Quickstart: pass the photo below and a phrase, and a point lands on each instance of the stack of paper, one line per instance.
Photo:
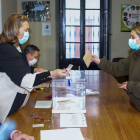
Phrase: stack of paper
(43, 104)
(62, 134)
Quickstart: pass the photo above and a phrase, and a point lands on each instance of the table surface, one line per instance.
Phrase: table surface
(109, 114)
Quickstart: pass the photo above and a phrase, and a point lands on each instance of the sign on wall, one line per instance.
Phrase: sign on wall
(130, 16)
(46, 28)
(36, 10)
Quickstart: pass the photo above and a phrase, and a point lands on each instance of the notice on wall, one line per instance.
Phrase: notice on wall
(46, 28)
(130, 16)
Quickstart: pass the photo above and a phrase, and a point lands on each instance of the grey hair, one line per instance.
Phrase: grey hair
(31, 49)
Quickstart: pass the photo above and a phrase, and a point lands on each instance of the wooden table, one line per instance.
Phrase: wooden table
(110, 116)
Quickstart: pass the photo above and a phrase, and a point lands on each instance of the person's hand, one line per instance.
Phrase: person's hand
(59, 73)
(33, 90)
(95, 59)
(123, 85)
(39, 70)
(20, 136)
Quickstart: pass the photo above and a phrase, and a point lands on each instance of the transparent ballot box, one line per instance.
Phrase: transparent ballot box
(68, 94)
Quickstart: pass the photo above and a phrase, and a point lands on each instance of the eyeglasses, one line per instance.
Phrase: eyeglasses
(38, 120)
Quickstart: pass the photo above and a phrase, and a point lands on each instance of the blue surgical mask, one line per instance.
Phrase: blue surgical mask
(25, 38)
(133, 45)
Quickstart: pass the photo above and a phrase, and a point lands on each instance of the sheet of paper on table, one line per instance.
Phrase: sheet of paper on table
(73, 120)
(87, 58)
(62, 134)
(91, 92)
(43, 104)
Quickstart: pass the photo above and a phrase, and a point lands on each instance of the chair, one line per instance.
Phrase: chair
(78, 64)
(120, 79)
(93, 66)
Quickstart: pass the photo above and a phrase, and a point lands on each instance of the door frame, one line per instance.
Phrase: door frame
(0, 17)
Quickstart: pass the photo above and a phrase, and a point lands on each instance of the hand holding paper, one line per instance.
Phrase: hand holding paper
(69, 67)
(95, 59)
(62, 134)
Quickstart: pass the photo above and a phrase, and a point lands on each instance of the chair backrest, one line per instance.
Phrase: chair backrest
(93, 66)
(78, 64)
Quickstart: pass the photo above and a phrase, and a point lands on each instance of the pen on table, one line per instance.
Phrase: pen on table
(36, 113)
(31, 115)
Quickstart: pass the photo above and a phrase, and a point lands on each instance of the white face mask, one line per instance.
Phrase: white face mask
(32, 62)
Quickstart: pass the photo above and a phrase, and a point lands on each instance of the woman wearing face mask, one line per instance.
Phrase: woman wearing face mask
(16, 79)
(129, 66)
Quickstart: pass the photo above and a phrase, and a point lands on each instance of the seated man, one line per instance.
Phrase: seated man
(32, 53)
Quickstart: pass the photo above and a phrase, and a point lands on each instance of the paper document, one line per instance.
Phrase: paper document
(73, 120)
(87, 58)
(43, 104)
(62, 134)
(91, 92)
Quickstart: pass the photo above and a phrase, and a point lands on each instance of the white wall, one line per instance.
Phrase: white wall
(8, 7)
(119, 40)
(46, 44)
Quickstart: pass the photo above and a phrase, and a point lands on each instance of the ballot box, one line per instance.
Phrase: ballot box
(68, 94)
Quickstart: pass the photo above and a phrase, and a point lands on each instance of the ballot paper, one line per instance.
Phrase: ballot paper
(73, 120)
(69, 67)
(87, 58)
(91, 92)
(43, 104)
(62, 134)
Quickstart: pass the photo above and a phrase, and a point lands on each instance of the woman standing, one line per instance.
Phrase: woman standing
(129, 66)
(16, 79)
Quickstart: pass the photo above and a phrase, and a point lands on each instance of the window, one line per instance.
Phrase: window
(84, 25)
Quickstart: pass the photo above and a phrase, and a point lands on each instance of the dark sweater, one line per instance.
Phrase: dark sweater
(16, 80)
(129, 66)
